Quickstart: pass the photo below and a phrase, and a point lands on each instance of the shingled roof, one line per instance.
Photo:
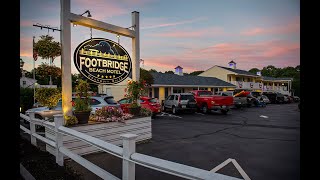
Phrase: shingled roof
(239, 71)
(188, 80)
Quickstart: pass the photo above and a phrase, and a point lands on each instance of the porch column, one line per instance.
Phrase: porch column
(161, 93)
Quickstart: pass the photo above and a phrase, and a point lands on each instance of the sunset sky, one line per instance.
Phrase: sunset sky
(193, 34)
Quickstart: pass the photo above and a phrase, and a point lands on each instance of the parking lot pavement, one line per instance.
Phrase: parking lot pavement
(265, 141)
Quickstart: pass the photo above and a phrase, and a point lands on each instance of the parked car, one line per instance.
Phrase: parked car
(274, 97)
(288, 99)
(206, 101)
(96, 102)
(179, 102)
(145, 102)
(264, 98)
(239, 99)
(296, 99)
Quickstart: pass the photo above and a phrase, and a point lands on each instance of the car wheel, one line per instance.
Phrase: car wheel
(204, 109)
(164, 109)
(224, 111)
(174, 110)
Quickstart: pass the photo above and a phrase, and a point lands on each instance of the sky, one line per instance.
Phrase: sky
(195, 35)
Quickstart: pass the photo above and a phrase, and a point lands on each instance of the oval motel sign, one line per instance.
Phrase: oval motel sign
(102, 61)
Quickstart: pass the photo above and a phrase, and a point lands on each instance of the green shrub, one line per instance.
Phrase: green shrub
(145, 112)
(26, 99)
(70, 120)
(48, 96)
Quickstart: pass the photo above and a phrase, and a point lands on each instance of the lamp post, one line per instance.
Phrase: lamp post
(21, 63)
(21, 67)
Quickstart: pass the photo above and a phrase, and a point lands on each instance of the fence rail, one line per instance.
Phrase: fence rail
(126, 153)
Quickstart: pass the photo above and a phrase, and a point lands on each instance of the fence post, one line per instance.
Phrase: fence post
(58, 121)
(32, 129)
(129, 147)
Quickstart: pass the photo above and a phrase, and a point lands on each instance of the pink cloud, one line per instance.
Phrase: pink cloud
(196, 33)
(163, 24)
(247, 55)
(291, 27)
(25, 23)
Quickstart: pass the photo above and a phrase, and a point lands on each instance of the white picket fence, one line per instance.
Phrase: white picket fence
(127, 153)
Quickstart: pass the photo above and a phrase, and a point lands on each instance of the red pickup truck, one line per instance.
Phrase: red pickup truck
(206, 101)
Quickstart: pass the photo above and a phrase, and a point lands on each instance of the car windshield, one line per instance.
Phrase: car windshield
(153, 100)
(187, 97)
(110, 100)
(205, 93)
(226, 93)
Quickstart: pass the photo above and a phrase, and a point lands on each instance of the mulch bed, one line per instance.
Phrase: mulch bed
(41, 164)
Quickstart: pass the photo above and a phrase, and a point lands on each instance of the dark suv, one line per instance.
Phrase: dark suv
(180, 102)
(274, 97)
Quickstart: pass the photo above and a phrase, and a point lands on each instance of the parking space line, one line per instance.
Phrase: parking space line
(262, 116)
(199, 113)
(236, 165)
(167, 114)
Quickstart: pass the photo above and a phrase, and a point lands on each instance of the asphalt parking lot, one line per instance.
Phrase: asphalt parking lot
(265, 141)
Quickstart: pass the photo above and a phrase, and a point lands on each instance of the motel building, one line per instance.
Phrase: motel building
(246, 80)
(215, 79)
(166, 84)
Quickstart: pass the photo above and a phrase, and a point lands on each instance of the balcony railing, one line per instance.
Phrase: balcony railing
(255, 85)
(247, 85)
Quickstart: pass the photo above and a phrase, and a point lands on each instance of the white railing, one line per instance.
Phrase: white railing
(127, 153)
(247, 85)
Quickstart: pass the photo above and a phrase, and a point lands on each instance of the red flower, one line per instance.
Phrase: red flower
(73, 103)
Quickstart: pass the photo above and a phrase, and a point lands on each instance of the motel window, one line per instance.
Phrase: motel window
(156, 92)
(238, 79)
(178, 90)
(24, 82)
(203, 88)
(150, 92)
(229, 78)
(166, 92)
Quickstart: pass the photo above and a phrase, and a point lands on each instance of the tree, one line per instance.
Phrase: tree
(43, 72)
(254, 70)
(153, 70)
(146, 75)
(169, 72)
(196, 73)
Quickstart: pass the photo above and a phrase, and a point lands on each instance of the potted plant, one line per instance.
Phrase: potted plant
(134, 90)
(82, 108)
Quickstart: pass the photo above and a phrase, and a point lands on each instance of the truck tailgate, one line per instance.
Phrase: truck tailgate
(223, 100)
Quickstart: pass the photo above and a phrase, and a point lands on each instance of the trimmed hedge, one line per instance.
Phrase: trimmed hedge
(26, 98)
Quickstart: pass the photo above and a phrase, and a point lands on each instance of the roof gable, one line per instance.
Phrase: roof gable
(173, 79)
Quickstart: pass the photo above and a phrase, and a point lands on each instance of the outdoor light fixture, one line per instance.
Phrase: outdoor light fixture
(21, 63)
(88, 12)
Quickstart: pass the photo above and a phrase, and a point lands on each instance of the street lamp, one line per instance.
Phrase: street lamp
(21, 63)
